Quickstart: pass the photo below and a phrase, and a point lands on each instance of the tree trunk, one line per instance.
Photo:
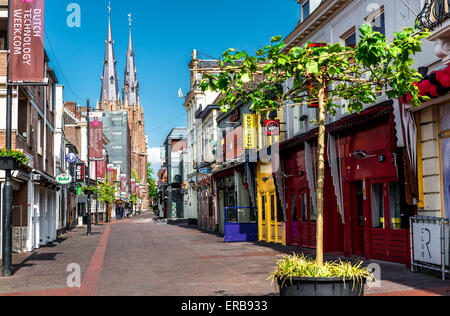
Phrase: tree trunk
(321, 173)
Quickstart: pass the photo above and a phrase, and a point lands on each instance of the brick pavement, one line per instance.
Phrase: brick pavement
(141, 256)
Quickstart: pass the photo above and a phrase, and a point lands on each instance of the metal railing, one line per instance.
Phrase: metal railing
(433, 14)
(430, 244)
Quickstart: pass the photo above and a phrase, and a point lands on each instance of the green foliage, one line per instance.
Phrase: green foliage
(354, 75)
(16, 155)
(90, 188)
(107, 192)
(295, 266)
(134, 175)
(151, 182)
(134, 199)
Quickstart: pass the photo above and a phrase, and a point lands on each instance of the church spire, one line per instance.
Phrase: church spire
(110, 82)
(131, 84)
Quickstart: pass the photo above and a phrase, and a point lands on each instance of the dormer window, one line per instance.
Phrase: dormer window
(306, 10)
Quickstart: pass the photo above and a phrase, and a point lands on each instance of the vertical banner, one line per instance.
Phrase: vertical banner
(27, 41)
(133, 186)
(96, 136)
(123, 183)
(115, 177)
(249, 122)
(101, 169)
(110, 173)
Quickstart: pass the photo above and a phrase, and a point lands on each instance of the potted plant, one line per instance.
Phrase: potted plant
(301, 276)
(12, 159)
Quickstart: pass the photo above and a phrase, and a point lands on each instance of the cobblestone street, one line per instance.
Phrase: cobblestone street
(141, 256)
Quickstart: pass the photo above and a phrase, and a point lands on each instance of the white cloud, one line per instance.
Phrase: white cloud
(154, 156)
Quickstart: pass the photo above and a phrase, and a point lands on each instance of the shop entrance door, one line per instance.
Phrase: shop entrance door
(293, 219)
(389, 233)
(357, 202)
(308, 219)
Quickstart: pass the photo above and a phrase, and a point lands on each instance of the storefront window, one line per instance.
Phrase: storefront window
(313, 211)
(280, 213)
(263, 207)
(304, 209)
(395, 206)
(377, 206)
(294, 207)
(272, 208)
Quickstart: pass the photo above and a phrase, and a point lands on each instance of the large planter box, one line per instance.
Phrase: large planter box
(320, 287)
(7, 163)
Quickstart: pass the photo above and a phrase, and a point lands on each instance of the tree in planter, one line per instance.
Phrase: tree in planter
(325, 75)
(107, 195)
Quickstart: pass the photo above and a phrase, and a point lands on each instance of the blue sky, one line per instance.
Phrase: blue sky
(164, 34)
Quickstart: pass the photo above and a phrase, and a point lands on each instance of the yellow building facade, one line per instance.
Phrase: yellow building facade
(271, 221)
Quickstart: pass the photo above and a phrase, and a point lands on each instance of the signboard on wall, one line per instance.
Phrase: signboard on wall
(27, 41)
(427, 242)
(249, 131)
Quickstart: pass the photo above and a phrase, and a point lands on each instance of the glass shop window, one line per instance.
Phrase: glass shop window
(272, 208)
(263, 207)
(395, 206)
(313, 211)
(294, 207)
(377, 206)
(304, 209)
(280, 213)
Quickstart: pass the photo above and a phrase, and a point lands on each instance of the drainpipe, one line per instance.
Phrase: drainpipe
(45, 121)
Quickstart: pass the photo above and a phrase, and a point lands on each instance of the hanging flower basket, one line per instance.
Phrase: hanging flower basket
(12, 159)
(8, 163)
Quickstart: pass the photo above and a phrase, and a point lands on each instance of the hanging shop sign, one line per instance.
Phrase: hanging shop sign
(249, 130)
(71, 158)
(272, 127)
(64, 179)
(80, 172)
(26, 62)
(205, 170)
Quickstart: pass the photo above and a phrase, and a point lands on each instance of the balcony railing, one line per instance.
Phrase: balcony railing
(434, 14)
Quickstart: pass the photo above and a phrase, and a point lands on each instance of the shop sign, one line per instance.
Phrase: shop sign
(205, 170)
(64, 179)
(80, 174)
(272, 127)
(249, 130)
(71, 158)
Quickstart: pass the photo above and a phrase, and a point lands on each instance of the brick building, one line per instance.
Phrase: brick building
(34, 217)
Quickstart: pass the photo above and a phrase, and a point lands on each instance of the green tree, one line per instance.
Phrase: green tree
(152, 193)
(336, 73)
(107, 194)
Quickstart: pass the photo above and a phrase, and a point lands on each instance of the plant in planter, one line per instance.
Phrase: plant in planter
(301, 276)
(90, 190)
(12, 159)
